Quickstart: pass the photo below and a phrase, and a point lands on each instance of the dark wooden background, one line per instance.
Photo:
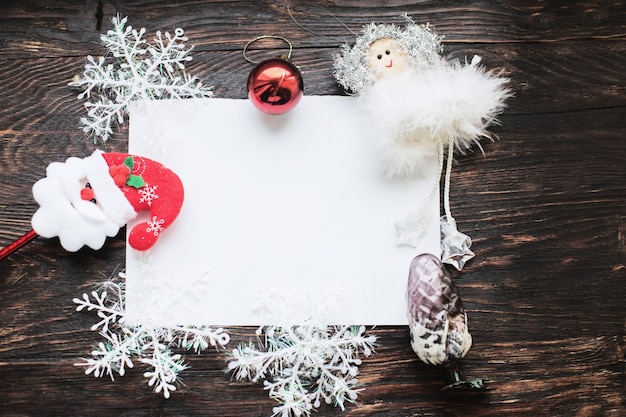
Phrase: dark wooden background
(545, 205)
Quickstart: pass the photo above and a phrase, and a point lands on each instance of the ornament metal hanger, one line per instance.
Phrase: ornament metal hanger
(258, 38)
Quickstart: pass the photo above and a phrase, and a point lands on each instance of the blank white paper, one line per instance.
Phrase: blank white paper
(285, 219)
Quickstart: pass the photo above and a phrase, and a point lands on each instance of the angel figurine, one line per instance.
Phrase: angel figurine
(419, 103)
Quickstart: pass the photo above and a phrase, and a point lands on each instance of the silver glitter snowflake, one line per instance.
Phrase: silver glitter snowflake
(301, 366)
(138, 71)
(124, 344)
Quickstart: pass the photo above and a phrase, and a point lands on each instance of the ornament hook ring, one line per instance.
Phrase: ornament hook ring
(258, 38)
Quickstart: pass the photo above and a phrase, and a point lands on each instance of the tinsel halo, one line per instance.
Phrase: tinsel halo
(420, 42)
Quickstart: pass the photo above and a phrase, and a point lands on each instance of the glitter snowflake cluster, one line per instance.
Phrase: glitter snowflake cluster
(301, 366)
(123, 344)
(134, 70)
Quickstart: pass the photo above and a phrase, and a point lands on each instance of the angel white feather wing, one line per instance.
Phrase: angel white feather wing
(449, 102)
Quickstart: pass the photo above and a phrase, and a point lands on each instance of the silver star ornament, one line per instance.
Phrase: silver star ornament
(455, 246)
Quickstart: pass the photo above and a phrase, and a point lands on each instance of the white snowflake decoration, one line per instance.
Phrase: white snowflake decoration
(155, 225)
(143, 71)
(304, 365)
(150, 345)
(148, 194)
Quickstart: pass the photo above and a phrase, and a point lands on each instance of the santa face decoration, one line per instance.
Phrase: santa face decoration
(84, 201)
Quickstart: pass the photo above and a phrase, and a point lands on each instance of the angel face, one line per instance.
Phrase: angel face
(386, 58)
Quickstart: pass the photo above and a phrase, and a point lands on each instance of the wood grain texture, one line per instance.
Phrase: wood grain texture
(32, 28)
(545, 206)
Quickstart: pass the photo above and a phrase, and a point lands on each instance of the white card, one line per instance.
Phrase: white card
(286, 218)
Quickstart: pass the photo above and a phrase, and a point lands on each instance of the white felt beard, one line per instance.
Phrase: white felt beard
(64, 214)
(448, 102)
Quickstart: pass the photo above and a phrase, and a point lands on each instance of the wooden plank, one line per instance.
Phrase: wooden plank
(523, 377)
(511, 198)
(553, 77)
(545, 297)
(28, 29)
(545, 206)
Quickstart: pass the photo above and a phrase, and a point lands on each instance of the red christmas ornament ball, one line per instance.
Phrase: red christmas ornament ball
(275, 86)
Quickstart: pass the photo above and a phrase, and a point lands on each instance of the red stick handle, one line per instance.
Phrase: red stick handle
(18, 243)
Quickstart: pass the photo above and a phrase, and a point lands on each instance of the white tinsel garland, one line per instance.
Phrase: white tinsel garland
(139, 71)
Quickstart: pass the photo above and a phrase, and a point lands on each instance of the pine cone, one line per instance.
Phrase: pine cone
(437, 319)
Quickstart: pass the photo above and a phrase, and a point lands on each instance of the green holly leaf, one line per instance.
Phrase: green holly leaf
(129, 162)
(135, 181)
